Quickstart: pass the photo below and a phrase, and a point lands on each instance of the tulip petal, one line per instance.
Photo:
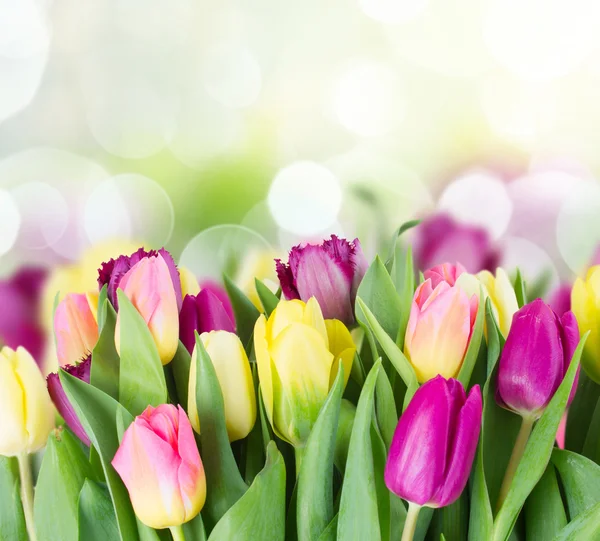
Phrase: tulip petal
(13, 435)
(342, 347)
(263, 362)
(570, 341)
(212, 315)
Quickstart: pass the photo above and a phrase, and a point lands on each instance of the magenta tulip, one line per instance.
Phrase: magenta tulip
(434, 444)
(331, 272)
(221, 293)
(560, 300)
(535, 358)
(61, 402)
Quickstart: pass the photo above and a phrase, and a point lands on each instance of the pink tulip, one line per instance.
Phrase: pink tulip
(75, 328)
(446, 272)
(160, 465)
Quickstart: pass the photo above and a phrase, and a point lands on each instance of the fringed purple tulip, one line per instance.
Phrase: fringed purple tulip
(61, 402)
(112, 272)
(203, 313)
(441, 238)
(434, 444)
(535, 358)
(331, 272)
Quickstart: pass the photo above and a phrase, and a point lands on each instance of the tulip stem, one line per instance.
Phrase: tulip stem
(177, 533)
(515, 459)
(299, 455)
(27, 494)
(410, 524)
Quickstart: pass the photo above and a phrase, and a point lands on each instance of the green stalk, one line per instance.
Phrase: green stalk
(177, 533)
(27, 494)
(410, 525)
(298, 455)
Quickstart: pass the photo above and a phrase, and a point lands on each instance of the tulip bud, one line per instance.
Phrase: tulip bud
(331, 272)
(434, 444)
(203, 313)
(61, 402)
(298, 354)
(441, 238)
(235, 378)
(26, 412)
(160, 465)
(149, 287)
(221, 293)
(439, 329)
(585, 303)
(446, 272)
(189, 283)
(535, 358)
(75, 328)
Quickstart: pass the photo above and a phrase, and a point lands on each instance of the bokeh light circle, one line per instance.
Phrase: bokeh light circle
(305, 198)
(393, 11)
(129, 206)
(532, 260)
(10, 221)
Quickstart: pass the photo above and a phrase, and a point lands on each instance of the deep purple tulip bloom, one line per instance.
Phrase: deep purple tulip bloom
(112, 272)
(535, 358)
(221, 293)
(61, 402)
(330, 271)
(440, 238)
(434, 444)
(203, 313)
(20, 314)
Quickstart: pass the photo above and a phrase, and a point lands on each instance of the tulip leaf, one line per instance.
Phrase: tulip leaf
(267, 298)
(330, 533)
(385, 408)
(260, 512)
(97, 412)
(537, 452)
(64, 469)
(104, 372)
(481, 517)
(591, 446)
(545, 513)
(180, 366)
(406, 296)
(102, 310)
(464, 376)
(97, 521)
(384, 510)
(343, 435)
(580, 479)
(12, 520)
(245, 312)
(581, 412)
(520, 289)
(358, 516)
(142, 378)
(495, 340)
(314, 496)
(451, 521)
(585, 527)
(194, 529)
(224, 484)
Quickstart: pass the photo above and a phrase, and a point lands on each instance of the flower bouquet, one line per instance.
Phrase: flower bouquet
(357, 402)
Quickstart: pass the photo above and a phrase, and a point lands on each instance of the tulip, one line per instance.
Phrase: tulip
(585, 303)
(149, 287)
(75, 329)
(439, 329)
(433, 447)
(159, 464)
(26, 412)
(441, 238)
(189, 283)
(221, 293)
(61, 402)
(298, 354)
(560, 299)
(331, 272)
(235, 378)
(445, 272)
(257, 264)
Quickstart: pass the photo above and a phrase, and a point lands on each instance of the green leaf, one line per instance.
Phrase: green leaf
(406, 296)
(584, 528)
(481, 517)
(495, 340)
(97, 521)
(358, 516)
(194, 529)
(105, 360)
(330, 533)
(591, 447)
(142, 379)
(343, 435)
(180, 366)
(580, 479)
(314, 496)
(97, 412)
(580, 414)
(451, 521)
(385, 408)
(101, 314)
(64, 469)
(545, 513)
(260, 512)
(520, 289)
(464, 376)
(537, 452)
(245, 312)
(224, 484)
(12, 520)
(383, 494)
(267, 298)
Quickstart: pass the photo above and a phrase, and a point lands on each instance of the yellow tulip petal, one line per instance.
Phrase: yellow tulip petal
(13, 434)
(189, 282)
(505, 300)
(192, 408)
(341, 346)
(286, 313)
(313, 317)
(263, 361)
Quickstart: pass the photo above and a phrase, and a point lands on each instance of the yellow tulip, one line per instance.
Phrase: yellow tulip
(261, 265)
(189, 282)
(26, 411)
(235, 379)
(298, 354)
(585, 304)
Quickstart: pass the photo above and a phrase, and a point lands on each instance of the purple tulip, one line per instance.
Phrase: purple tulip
(441, 238)
(203, 313)
(560, 300)
(220, 292)
(19, 318)
(535, 358)
(434, 444)
(330, 271)
(112, 272)
(61, 402)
